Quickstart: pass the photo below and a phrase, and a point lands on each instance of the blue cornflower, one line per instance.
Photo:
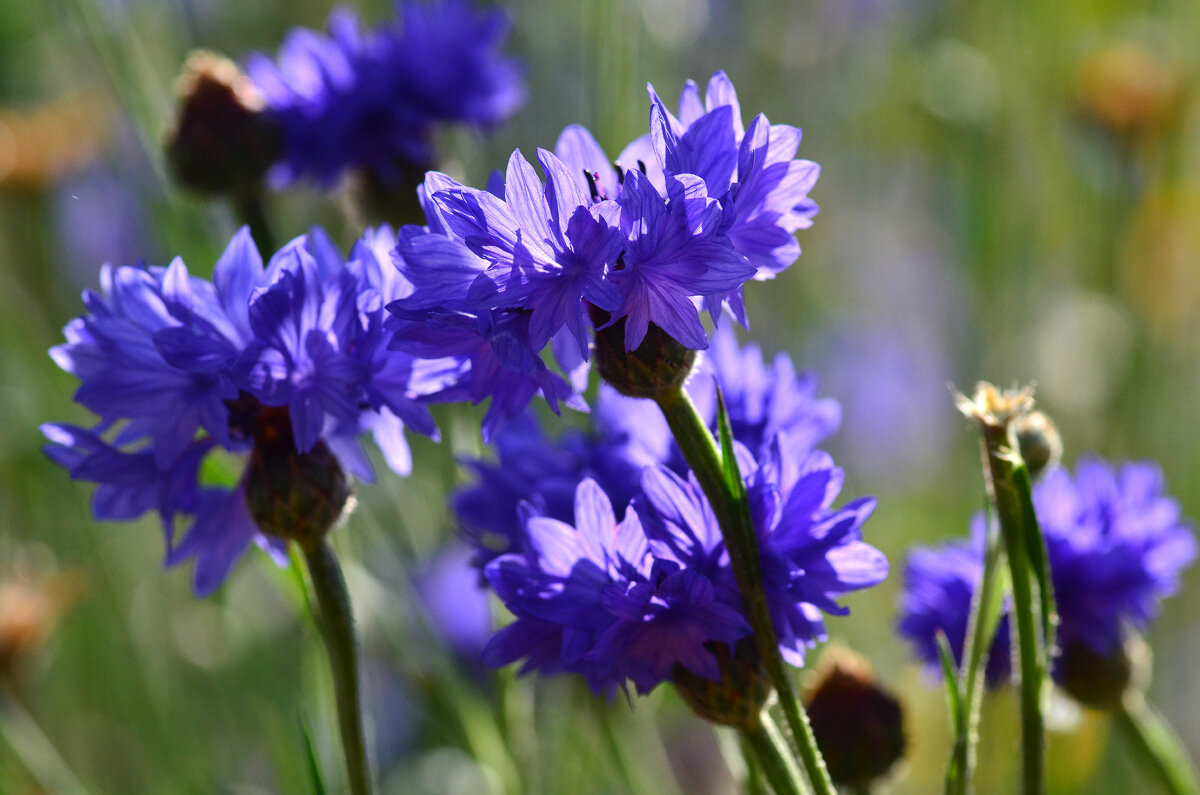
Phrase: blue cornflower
(626, 246)
(593, 599)
(629, 601)
(437, 319)
(1116, 544)
(372, 98)
(282, 358)
(629, 434)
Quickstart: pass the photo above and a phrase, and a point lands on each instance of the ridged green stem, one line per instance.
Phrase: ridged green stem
(982, 622)
(733, 515)
(1156, 746)
(1002, 464)
(336, 621)
(773, 757)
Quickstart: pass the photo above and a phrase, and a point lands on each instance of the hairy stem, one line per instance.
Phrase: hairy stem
(733, 515)
(336, 621)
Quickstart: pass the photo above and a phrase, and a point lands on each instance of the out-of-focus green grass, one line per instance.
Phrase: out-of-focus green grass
(977, 222)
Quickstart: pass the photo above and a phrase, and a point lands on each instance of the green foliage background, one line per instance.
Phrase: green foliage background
(976, 217)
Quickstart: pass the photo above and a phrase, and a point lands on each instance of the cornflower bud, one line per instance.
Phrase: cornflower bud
(859, 726)
(1039, 442)
(1100, 680)
(223, 140)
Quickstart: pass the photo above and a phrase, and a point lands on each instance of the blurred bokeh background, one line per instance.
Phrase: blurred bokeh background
(1010, 191)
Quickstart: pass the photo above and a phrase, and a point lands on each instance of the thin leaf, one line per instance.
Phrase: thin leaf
(1039, 561)
(311, 762)
(950, 678)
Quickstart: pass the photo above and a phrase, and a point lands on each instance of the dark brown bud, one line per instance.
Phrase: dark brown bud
(295, 496)
(1100, 680)
(740, 696)
(658, 366)
(1039, 442)
(223, 140)
(858, 725)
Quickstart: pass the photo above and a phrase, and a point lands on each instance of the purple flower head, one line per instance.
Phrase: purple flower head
(629, 601)
(812, 553)
(177, 366)
(1116, 545)
(593, 599)
(649, 240)
(440, 318)
(372, 98)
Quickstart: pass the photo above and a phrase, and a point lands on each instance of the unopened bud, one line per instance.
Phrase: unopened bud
(658, 366)
(1100, 680)
(224, 140)
(291, 495)
(1039, 442)
(741, 694)
(859, 726)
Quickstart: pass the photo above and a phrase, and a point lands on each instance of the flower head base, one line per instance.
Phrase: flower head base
(738, 697)
(371, 99)
(286, 363)
(1116, 546)
(291, 495)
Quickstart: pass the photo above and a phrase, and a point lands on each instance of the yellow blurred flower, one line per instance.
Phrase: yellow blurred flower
(1128, 89)
(39, 147)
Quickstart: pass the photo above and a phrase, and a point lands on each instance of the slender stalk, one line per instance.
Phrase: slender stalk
(733, 515)
(1158, 748)
(1031, 654)
(982, 622)
(34, 749)
(773, 758)
(336, 621)
(248, 206)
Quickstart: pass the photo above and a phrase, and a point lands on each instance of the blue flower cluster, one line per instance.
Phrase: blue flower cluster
(1116, 545)
(372, 98)
(536, 474)
(176, 366)
(687, 215)
(627, 601)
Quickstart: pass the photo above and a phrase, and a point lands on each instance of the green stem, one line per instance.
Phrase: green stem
(34, 749)
(773, 758)
(733, 515)
(248, 206)
(1159, 750)
(336, 621)
(1003, 486)
(982, 622)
